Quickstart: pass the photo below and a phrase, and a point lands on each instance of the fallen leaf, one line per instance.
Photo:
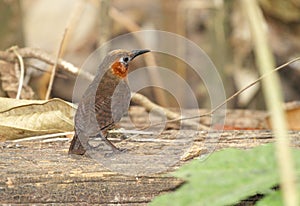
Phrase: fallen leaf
(293, 115)
(25, 118)
(292, 112)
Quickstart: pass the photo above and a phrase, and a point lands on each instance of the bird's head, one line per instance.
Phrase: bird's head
(121, 59)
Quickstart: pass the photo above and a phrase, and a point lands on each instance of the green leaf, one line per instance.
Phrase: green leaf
(274, 199)
(225, 178)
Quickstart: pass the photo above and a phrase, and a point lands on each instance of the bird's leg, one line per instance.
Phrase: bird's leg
(78, 146)
(103, 137)
(114, 148)
(117, 135)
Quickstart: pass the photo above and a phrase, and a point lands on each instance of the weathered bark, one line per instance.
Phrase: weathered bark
(43, 172)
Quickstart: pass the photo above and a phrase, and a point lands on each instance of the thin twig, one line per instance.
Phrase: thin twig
(21, 79)
(104, 24)
(56, 139)
(150, 106)
(234, 95)
(253, 83)
(41, 55)
(55, 65)
(62, 76)
(41, 137)
(74, 19)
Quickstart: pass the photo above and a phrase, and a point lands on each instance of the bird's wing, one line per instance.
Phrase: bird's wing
(120, 101)
(97, 112)
(85, 118)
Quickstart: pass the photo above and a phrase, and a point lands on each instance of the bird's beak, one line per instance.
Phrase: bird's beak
(135, 53)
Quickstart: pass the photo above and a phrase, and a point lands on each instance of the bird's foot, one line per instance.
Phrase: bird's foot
(116, 151)
(121, 150)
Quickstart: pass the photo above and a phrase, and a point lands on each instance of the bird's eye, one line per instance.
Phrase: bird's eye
(125, 59)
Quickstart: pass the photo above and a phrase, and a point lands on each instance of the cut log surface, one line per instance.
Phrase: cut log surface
(34, 172)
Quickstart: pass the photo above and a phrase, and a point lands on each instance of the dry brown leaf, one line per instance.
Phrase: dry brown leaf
(25, 118)
(292, 111)
(293, 115)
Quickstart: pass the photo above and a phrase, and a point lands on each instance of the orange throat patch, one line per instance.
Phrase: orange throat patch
(119, 69)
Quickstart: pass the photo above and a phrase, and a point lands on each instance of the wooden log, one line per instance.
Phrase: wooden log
(34, 172)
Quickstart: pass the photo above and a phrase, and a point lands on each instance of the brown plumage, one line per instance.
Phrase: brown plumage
(104, 102)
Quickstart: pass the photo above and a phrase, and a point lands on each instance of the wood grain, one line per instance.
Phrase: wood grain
(43, 172)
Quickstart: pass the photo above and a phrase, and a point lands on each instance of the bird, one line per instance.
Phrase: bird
(104, 102)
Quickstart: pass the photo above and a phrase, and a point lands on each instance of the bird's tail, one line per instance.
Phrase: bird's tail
(76, 146)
